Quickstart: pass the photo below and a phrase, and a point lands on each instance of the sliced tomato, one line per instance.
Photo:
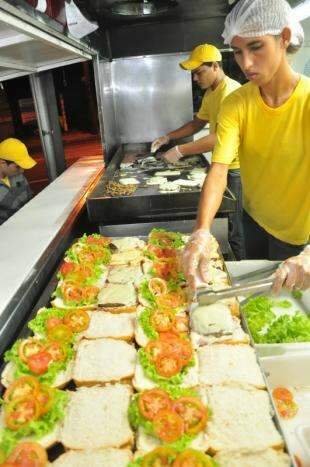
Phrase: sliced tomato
(156, 348)
(168, 426)
(52, 322)
(168, 365)
(153, 400)
(19, 412)
(9, 464)
(193, 412)
(286, 410)
(45, 397)
(29, 454)
(181, 324)
(29, 347)
(60, 333)
(77, 320)
(159, 457)
(22, 387)
(171, 300)
(90, 292)
(72, 291)
(39, 362)
(178, 346)
(66, 268)
(283, 394)
(192, 458)
(162, 321)
(166, 269)
(157, 286)
(57, 351)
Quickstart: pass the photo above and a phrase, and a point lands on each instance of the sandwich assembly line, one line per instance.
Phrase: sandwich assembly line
(146, 319)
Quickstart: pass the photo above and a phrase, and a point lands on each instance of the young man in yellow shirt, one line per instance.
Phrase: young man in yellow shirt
(267, 122)
(205, 63)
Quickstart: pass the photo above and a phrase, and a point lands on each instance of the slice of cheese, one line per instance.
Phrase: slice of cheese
(212, 319)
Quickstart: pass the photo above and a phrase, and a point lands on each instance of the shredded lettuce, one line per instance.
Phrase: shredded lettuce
(21, 369)
(266, 327)
(144, 321)
(37, 325)
(38, 428)
(176, 239)
(164, 383)
(146, 293)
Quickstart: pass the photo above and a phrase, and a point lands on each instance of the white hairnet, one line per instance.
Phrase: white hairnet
(250, 18)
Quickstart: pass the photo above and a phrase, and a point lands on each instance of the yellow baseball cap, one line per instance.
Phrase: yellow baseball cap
(14, 150)
(201, 54)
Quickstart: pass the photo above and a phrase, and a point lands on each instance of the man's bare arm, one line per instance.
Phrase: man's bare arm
(188, 129)
(211, 195)
(204, 144)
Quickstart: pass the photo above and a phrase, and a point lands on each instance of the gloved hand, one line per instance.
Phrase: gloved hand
(173, 155)
(294, 273)
(196, 256)
(159, 142)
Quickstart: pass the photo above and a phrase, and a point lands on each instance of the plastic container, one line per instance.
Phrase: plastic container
(292, 371)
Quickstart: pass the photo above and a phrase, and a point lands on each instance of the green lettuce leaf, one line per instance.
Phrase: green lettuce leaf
(38, 428)
(21, 369)
(144, 321)
(37, 325)
(146, 293)
(175, 237)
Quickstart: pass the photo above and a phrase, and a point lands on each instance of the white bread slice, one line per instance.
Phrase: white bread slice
(117, 295)
(133, 257)
(46, 441)
(97, 418)
(225, 364)
(125, 274)
(104, 360)
(61, 380)
(146, 443)
(142, 382)
(128, 243)
(259, 458)
(105, 324)
(241, 419)
(109, 457)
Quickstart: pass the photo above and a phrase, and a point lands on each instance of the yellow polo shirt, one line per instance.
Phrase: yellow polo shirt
(274, 153)
(210, 107)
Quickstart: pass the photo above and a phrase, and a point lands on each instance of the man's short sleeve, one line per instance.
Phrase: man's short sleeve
(227, 131)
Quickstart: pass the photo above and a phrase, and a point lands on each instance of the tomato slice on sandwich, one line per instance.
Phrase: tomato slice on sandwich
(152, 401)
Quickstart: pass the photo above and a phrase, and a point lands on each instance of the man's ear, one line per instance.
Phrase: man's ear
(285, 37)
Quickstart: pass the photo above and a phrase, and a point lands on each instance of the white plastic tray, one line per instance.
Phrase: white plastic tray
(293, 372)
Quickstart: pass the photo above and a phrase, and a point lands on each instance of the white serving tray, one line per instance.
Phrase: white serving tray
(292, 371)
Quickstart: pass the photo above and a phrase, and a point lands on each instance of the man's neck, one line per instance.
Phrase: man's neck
(220, 77)
(281, 86)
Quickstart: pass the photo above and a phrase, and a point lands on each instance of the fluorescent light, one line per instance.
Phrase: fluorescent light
(302, 11)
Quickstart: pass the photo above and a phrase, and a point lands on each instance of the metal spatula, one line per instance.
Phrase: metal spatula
(241, 286)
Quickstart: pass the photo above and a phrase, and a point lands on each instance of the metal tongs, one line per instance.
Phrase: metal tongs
(207, 296)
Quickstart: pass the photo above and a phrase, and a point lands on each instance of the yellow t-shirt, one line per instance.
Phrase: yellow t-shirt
(274, 153)
(211, 103)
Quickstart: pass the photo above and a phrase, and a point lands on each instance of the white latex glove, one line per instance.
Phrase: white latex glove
(159, 142)
(173, 155)
(294, 273)
(196, 256)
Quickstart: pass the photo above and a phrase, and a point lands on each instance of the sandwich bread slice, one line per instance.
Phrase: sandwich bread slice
(106, 324)
(259, 458)
(97, 418)
(109, 457)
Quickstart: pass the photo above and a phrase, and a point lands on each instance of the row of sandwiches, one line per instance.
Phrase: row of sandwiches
(136, 375)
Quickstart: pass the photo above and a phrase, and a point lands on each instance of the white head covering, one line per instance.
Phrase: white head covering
(250, 18)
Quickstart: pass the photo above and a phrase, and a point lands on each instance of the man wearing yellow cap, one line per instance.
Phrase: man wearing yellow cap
(14, 188)
(205, 63)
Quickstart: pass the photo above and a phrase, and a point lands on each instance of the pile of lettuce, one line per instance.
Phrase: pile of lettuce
(176, 239)
(36, 429)
(267, 328)
(38, 324)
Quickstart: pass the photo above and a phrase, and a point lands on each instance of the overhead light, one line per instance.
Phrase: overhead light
(142, 7)
(302, 11)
